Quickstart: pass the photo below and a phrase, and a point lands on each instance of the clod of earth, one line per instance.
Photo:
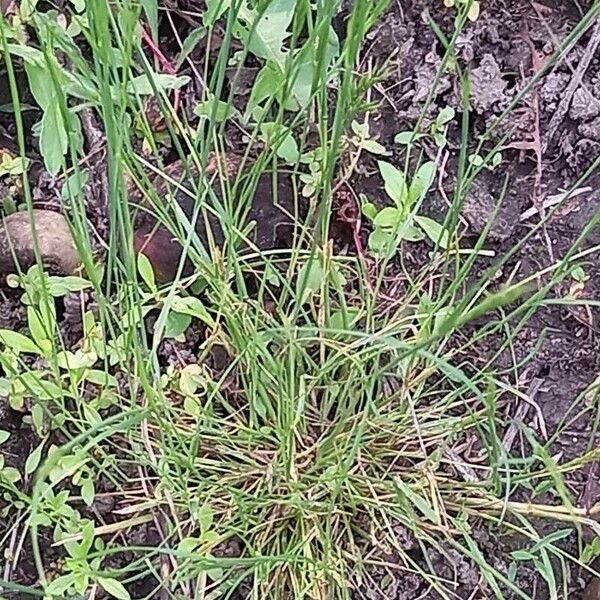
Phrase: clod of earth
(271, 209)
(54, 238)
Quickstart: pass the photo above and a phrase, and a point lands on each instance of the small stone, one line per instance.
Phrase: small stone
(270, 209)
(592, 591)
(55, 242)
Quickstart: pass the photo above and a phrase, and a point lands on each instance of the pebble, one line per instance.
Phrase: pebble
(592, 591)
(55, 242)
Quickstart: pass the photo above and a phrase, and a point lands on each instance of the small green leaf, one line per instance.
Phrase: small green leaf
(360, 129)
(204, 516)
(591, 551)
(395, 184)
(267, 29)
(71, 361)
(419, 502)
(188, 545)
(434, 231)
(114, 588)
(388, 218)
(407, 137)
(422, 181)
(33, 460)
(369, 210)
(215, 9)
(193, 307)
(374, 147)
(61, 584)
(78, 5)
(281, 139)
(474, 10)
(141, 85)
(215, 110)
(311, 276)
(74, 185)
(476, 160)
(445, 115)
(522, 555)
(31, 55)
(216, 574)
(190, 42)
(101, 378)
(10, 474)
(17, 342)
(380, 241)
(53, 138)
(87, 491)
(410, 233)
(342, 320)
(440, 139)
(151, 9)
(60, 286)
(40, 81)
(146, 271)
(4, 435)
(268, 82)
(37, 418)
(176, 324)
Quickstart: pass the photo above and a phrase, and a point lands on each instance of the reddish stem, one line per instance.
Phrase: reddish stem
(163, 60)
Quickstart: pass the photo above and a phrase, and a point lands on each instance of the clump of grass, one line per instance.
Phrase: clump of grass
(334, 428)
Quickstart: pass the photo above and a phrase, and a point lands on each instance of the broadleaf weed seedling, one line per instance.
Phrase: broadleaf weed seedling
(392, 224)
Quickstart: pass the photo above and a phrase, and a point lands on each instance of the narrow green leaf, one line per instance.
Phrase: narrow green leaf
(190, 43)
(151, 9)
(53, 138)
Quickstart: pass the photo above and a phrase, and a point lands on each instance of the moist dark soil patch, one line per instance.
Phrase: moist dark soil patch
(561, 346)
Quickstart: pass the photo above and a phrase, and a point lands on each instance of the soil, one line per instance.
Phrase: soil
(557, 348)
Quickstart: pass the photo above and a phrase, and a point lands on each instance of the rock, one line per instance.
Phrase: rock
(270, 210)
(592, 591)
(55, 242)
